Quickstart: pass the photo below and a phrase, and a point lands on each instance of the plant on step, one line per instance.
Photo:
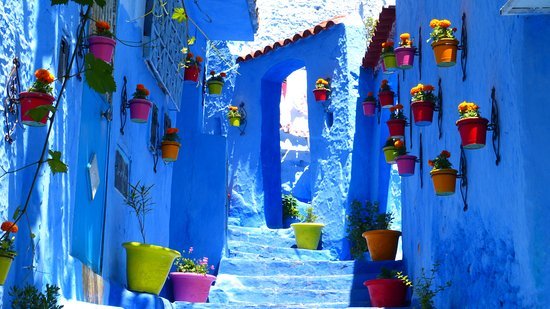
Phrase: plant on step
(423, 286)
(309, 217)
(140, 202)
(387, 290)
(191, 281)
(441, 30)
(386, 273)
(290, 207)
(31, 297)
(189, 265)
(361, 218)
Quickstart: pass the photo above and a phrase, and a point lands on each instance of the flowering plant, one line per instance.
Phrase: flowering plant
(385, 86)
(405, 40)
(397, 112)
(103, 28)
(423, 93)
(43, 80)
(141, 92)
(400, 147)
(171, 134)
(188, 265)
(6, 244)
(217, 77)
(191, 61)
(441, 30)
(387, 47)
(441, 161)
(322, 83)
(468, 110)
(370, 97)
(233, 112)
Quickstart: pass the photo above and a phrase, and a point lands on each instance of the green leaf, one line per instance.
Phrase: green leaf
(33, 235)
(55, 163)
(84, 2)
(179, 15)
(99, 74)
(101, 3)
(54, 2)
(39, 112)
(191, 40)
(16, 213)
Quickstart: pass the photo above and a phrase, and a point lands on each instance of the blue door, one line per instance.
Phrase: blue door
(90, 199)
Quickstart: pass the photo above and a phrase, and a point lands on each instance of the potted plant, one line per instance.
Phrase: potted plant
(191, 280)
(443, 176)
(290, 210)
(170, 146)
(423, 104)
(405, 162)
(388, 56)
(472, 127)
(101, 44)
(390, 151)
(215, 83)
(385, 95)
(369, 105)
(234, 116)
(397, 122)
(381, 241)
(140, 105)
(192, 67)
(31, 297)
(405, 52)
(37, 102)
(423, 286)
(7, 251)
(444, 45)
(147, 265)
(362, 217)
(322, 89)
(387, 290)
(308, 232)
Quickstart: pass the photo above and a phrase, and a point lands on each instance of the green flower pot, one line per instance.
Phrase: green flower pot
(215, 87)
(307, 234)
(147, 266)
(390, 63)
(390, 153)
(5, 264)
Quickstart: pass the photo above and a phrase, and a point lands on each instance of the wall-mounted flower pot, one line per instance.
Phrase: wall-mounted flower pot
(445, 52)
(444, 181)
(405, 165)
(387, 292)
(5, 265)
(390, 63)
(191, 287)
(386, 98)
(473, 132)
(191, 74)
(235, 121)
(396, 127)
(369, 108)
(31, 100)
(102, 47)
(170, 151)
(390, 153)
(321, 95)
(139, 110)
(423, 112)
(307, 234)
(405, 57)
(215, 87)
(147, 266)
(382, 244)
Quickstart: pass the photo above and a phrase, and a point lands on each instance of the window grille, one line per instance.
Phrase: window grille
(107, 13)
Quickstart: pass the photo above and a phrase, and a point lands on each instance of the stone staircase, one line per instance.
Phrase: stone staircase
(264, 271)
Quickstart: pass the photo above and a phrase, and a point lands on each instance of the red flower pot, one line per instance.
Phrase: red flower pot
(473, 132)
(102, 47)
(321, 94)
(386, 98)
(396, 127)
(30, 100)
(369, 108)
(387, 292)
(405, 57)
(423, 112)
(191, 74)
(405, 165)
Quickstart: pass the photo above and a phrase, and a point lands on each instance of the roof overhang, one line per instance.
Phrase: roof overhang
(525, 7)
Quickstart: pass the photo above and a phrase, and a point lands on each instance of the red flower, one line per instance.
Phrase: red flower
(8, 226)
(431, 163)
(140, 87)
(102, 25)
(370, 94)
(172, 130)
(212, 72)
(445, 154)
(222, 74)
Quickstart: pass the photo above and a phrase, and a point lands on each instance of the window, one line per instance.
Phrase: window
(122, 175)
(63, 60)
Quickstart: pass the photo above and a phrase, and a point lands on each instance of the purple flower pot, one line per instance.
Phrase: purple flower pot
(102, 47)
(369, 108)
(139, 110)
(405, 165)
(191, 287)
(405, 57)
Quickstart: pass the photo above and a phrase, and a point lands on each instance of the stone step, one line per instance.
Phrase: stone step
(238, 305)
(274, 237)
(246, 267)
(244, 249)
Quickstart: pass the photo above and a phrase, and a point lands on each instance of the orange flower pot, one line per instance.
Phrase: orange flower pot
(382, 244)
(170, 151)
(445, 52)
(444, 181)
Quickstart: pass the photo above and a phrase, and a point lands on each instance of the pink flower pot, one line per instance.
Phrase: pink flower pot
(30, 100)
(386, 98)
(369, 108)
(102, 47)
(139, 110)
(191, 287)
(396, 127)
(405, 57)
(405, 165)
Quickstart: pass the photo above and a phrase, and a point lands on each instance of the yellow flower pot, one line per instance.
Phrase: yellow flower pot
(235, 121)
(170, 151)
(5, 265)
(307, 234)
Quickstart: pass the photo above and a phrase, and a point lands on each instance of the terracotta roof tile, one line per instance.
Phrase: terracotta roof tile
(381, 34)
(298, 36)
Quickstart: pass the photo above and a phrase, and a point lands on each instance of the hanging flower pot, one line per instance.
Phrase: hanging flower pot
(32, 100)
(388, 57)
(472, 127)
(215, 83)
(385, 95)
(405, 52)
(191, 287)
(234, 116)
(423, 112)
(139, 110)
(192, 67)
(390, 153)
(387, 292)
(7, 251)
(396, 127)
(382, 244)
(101, 44)
(322, 89)
(443, 176)
(307, 234)
(5, 265)
(444, 45)
(170, 146)
(405, 165)
(369, 105)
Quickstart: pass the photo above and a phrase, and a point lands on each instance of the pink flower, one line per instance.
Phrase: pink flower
(190, 249)
(212, 267)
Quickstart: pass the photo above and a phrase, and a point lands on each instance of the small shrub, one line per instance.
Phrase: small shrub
(31, 297)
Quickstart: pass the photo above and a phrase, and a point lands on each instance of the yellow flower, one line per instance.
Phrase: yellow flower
(444, 23)
(405, 36)
(434, 23)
